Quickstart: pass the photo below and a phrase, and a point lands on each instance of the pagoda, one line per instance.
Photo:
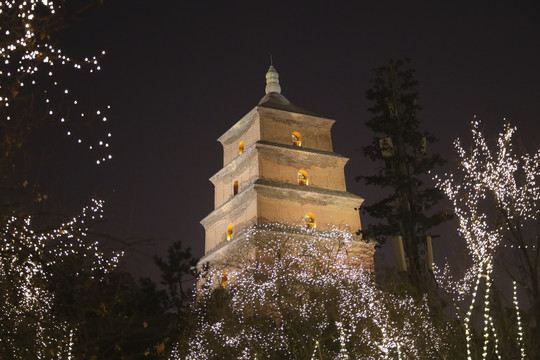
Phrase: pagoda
(278, 167)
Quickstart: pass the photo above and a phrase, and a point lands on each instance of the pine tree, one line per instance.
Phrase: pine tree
(400, 146)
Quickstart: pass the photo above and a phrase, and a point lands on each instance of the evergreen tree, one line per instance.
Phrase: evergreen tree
(400, 146)
(115, 317)
(176, 271)
(178, 278)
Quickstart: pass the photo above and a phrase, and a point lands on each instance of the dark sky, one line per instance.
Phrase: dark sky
(178, 74)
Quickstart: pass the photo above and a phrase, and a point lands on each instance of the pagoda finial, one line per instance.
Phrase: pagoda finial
(272, 81)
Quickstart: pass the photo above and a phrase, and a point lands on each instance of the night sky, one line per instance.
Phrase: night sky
(179, 74)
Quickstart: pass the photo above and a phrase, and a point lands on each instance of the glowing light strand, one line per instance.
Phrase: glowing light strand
(484, 175)
(296, 276)
(26, 259)
(26, 52)
(518, 321)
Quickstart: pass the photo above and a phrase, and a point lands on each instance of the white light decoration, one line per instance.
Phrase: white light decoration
(26, 53)
(519, 326)
(490, 186)
(27, 257)
(296, 292)
(314, 355)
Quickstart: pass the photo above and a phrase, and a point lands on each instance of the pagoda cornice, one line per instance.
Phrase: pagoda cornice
(285, 154)
(283, 116)
(306, 194)
(281, 190)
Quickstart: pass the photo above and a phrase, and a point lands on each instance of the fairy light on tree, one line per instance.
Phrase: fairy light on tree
(496, 197)
(343, 354)
(37, 97)
(27, 266)
(518, 321)
(31, 91)
(296, 292)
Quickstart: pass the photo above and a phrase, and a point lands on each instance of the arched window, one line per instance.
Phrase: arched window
(296, 139)
(241, 148)
(229, 232)
(235, 187)
(302, 178)
(309, 220)
(224, 278)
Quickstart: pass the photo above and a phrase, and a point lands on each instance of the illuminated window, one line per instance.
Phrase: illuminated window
(309, 220)
(241, 147)
(235, 187)
(296, 139)
(302, 178)
(229, 232)
(224, 278)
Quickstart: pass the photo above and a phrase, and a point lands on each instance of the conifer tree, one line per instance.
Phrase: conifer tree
(399, 146)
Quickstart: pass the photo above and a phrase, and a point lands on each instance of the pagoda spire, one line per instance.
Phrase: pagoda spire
(272, 81)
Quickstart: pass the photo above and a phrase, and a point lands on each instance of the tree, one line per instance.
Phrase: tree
(36, 102)
(401, 146)
(30, 327)
(117, 317)
(496, 197)
(177, 270)
(277, 296)
(35, 243)
(174, 270)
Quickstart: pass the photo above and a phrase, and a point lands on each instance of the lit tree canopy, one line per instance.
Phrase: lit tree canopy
(28, 261)
(304, 296)
(35, 250)
(30, 62)
(496, 200)
(35, 96)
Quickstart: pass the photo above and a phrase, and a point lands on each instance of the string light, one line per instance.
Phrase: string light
(519, 326)
(343, 354)
(282, 277)
(314, 355)
(28, 257)
(488, 175)
(26, 52)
